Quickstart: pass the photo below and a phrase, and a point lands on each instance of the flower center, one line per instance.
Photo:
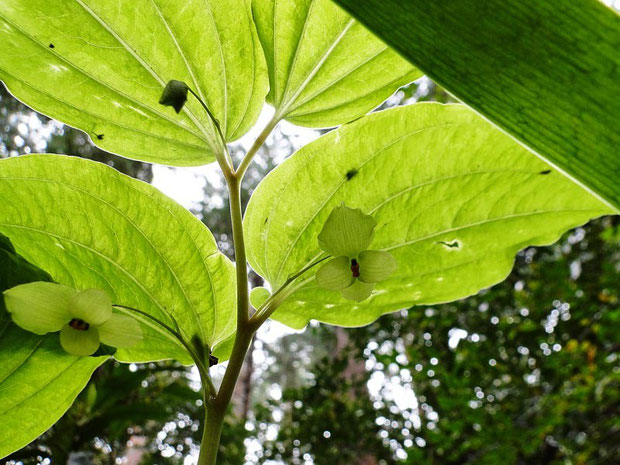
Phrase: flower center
(78, 324)
(355, 268)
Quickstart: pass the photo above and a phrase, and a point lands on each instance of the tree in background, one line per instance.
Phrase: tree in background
(523, 373)
(24, 131)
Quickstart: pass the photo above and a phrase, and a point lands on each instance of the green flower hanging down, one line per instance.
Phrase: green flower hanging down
(84, 318)
(354, 271)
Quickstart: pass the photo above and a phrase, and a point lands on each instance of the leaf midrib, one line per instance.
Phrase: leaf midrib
(287, 102)
(134, 54)
(40, 389)
(336, 80)
(111, 121)
(98, 81)
(24, 361)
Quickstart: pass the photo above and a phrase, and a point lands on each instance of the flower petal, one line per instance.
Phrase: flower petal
(39, 307)
(347, 232)
(92, 306)
(376, 265)
(120, 331)
(79, 342)
(335, 275)
(359, 291)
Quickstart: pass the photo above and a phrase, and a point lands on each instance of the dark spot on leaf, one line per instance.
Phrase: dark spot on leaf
(51, 45)
(351, 174)
(213, 360)
(266, 219)
(451, 245)
(99, 136)
(545, 172)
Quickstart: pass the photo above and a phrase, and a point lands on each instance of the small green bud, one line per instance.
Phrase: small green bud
(174, 95)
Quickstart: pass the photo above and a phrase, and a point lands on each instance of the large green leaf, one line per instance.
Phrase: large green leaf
(38, 383)
(325, 68)
(92, 227)
(546, 72)
(15, 270)
(38, 380)
(101, 65)
(454, 199)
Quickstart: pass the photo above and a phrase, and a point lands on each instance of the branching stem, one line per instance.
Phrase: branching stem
(215, 407)
(198, 360)
(274, 301)
(258, 143)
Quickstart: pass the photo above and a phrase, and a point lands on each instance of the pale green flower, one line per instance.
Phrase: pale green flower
(84, 318)
(354, 270)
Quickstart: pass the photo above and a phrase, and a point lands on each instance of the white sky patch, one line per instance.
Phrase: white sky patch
(456, 334)
(612, 3)
(185, 185)
(404, 398)
(273, 330)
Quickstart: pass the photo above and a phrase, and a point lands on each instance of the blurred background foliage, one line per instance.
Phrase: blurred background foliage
(525, 372)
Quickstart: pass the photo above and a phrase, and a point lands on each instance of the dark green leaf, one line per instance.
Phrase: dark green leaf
(546, 72)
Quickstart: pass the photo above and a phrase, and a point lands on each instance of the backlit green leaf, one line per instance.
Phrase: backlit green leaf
(38, 380)
(546, 72)
(101, 66)
(92, 227)
(454, 199)
(15, 270)
(325, 68)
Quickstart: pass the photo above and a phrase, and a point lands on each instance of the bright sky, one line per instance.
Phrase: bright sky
(185, 185)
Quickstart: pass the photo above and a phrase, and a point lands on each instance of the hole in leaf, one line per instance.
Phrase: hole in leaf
(450, 245)
(351, 174)
(99, 136)
(51, 46)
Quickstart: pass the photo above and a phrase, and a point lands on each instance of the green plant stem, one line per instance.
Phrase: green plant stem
(202, 368)
(211, 435)
(266, 311)
(215, 408)
(236, 215)
(226, 163)
(258, 143)
(243, 339)
(245, 332)
(274, 301)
